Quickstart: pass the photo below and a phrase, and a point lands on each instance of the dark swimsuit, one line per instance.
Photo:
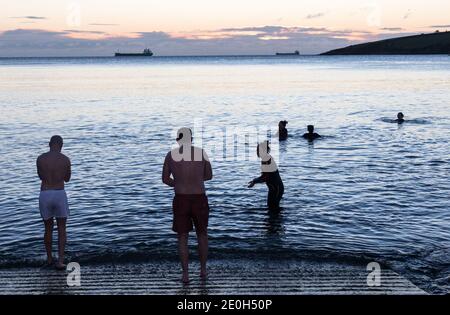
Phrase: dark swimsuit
(275, 185)
(311, 137)
(282, 134)
(276, 190)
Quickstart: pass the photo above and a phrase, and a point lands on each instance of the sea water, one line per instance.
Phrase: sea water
(369, 190)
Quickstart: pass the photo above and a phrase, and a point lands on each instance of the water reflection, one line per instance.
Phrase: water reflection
(116, 144)
(274, 223)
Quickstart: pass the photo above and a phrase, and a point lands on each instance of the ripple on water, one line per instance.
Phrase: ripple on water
(367, 189)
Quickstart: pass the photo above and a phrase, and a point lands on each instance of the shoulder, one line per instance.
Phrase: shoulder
(41, 157)
(169, 154)
(199, 151)
(269, 166)
(205, 155)
(64, 158)
(272, 161)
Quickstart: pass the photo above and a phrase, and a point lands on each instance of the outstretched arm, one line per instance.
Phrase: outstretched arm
(258, 180)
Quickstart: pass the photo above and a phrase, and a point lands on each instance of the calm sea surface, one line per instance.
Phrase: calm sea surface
(370, 190)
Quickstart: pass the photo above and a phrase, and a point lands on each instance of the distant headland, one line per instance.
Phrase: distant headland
(424, 44)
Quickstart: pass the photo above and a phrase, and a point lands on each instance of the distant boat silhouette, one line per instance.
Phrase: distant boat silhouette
(295, 53)
(146, 53)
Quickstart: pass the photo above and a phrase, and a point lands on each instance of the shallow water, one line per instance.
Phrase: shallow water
(369, 190)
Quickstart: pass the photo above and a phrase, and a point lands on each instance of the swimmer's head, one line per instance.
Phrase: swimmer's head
(56, 142)
(263, 149)
(184, 136)
(282, 124)
(400, 116)
(310, 128)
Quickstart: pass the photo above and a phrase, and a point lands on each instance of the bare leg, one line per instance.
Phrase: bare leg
(183, 251)
(61, 241)
(48, 235)
(203, 252)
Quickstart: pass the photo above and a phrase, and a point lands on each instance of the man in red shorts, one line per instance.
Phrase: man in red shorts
(186, 168)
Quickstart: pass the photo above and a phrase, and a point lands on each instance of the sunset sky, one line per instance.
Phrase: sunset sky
(208, 27)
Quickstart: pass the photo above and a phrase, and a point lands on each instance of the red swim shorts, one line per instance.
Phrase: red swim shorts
(190, 211)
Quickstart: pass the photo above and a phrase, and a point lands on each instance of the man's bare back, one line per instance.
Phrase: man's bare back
(54, 169)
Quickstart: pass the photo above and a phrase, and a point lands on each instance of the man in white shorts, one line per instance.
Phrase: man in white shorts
(54, 169)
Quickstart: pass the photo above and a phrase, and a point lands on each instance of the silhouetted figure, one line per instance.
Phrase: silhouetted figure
(269, 175)
(400, 118)
(311, 135)
(189, 167)
(54, 169)
(282, 131)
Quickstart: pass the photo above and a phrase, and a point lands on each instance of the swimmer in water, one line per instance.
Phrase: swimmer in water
(400, 118)
(311, 135)
(282, 131)
(269, 175)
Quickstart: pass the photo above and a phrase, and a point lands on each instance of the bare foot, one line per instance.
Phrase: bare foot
(185, 278)
(60, 266)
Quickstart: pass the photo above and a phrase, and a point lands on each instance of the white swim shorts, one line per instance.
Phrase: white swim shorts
(53, 204)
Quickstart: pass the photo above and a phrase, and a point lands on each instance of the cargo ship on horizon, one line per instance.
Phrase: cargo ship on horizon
(295, 53)
(146, 53)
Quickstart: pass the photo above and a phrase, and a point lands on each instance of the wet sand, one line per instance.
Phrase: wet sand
(237, 277)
